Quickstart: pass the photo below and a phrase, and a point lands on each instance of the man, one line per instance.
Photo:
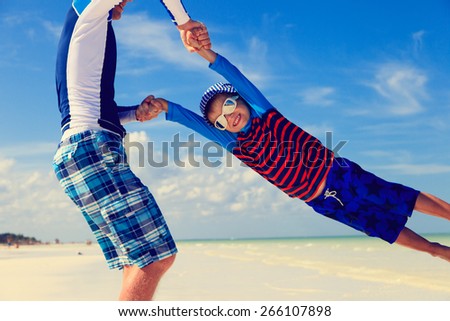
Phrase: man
(90, 162)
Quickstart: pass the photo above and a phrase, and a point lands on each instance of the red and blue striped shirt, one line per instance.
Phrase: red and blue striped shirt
(285, 155)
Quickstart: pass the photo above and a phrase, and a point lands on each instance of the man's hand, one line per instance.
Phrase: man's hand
(148, 110)
(196, 30)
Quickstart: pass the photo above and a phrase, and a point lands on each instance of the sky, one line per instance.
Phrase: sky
(374, 75)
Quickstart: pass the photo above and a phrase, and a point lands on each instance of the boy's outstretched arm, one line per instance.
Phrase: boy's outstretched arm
(188, 118)
(246, 88)
(208, 54)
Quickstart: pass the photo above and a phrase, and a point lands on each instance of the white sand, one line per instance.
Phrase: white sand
(314, 269)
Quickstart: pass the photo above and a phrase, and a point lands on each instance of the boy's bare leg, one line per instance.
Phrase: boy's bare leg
(430, 204)
(140, 284)
(414, 241)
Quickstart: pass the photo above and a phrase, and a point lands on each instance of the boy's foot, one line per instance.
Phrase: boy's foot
(441, 251)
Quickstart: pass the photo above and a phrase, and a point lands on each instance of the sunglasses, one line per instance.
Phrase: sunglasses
(229, 105)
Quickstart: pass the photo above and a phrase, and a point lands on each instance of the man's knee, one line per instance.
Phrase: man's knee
(160, 266)
(167, 262)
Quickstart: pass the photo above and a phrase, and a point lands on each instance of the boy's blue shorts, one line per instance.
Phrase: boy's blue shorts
(92, 168)
(364, 201)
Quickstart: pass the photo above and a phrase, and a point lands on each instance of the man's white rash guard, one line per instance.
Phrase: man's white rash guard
(86, 67)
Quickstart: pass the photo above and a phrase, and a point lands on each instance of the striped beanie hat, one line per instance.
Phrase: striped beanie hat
(218, 88)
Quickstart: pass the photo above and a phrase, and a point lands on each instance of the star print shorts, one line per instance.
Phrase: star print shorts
(364, 201)
(92, 169)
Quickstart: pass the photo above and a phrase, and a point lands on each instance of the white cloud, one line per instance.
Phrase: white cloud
(256, 67)
(318, 130)
(153, 40)
(13, 20)
(252, 59)
(29, 149)
(33, 203)
(418, 40)
(416, 169)
(6, 165)
(53, 29)
(31, 25)
(402, 86)
(389, 156)
(319, 96)
(257, 51)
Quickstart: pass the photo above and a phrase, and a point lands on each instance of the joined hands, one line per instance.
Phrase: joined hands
(150, 108)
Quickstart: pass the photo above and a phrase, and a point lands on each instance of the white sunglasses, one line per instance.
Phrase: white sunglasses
(229, 105)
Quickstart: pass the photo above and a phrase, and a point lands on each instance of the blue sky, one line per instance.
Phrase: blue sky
(375, 74)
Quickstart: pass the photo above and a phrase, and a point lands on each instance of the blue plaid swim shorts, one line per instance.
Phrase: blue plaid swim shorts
(123, 215)
(364, 201)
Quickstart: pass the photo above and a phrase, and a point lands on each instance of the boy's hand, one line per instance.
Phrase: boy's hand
(193, 40)
(161, 103)
(196, 30)
(147, 110)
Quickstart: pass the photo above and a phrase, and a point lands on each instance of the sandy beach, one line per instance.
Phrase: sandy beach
(357, 269)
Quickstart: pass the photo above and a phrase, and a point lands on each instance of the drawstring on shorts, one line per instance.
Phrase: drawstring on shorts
(333, 195)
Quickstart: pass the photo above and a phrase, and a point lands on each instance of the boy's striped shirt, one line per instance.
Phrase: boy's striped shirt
(285, 155)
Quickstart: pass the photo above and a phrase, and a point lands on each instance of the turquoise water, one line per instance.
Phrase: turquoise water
(338, 268)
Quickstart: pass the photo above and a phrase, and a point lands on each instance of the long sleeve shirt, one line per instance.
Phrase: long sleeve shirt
(86, 67)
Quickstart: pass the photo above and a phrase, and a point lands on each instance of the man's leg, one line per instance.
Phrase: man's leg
(140, 284)
(414, 241)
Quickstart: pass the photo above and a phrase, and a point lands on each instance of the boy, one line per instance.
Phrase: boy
(237, 116)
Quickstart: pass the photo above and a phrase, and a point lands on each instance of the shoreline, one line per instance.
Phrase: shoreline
(320, 269)
(251, 239)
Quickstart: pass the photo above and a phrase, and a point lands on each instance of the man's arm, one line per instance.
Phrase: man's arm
(127, 114)
(177, 11)
(143, 112)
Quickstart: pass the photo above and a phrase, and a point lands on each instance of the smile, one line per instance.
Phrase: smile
(237, 120)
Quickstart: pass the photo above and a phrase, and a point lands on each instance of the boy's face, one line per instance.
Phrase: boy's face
(236, 120)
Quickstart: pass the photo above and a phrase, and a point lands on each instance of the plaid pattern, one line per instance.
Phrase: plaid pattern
(365, 202)
(121, 212)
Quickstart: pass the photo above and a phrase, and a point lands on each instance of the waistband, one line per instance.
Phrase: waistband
(68, 133)
(78, 136)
